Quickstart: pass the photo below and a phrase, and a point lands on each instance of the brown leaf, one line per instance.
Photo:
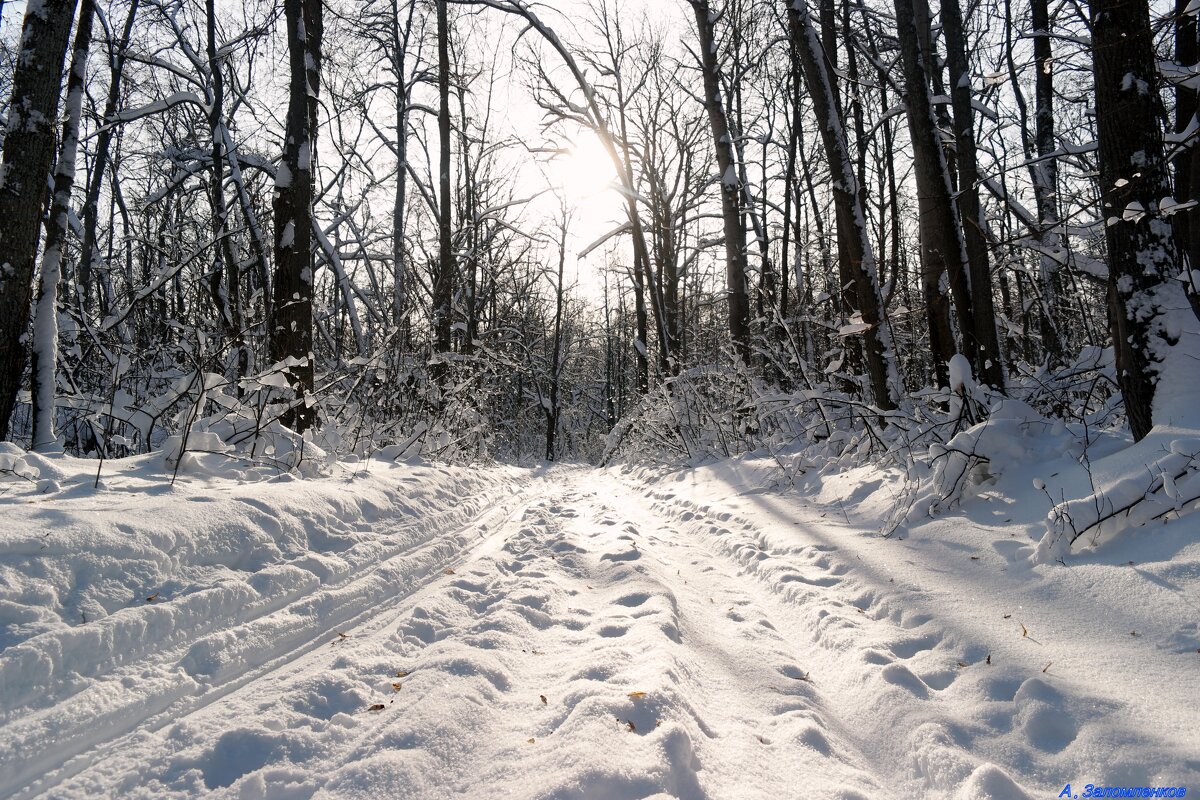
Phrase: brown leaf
(1134, 633)
(402, 673)
(530, 740)
(397, 686)
(543, 697)
(637, 695)
(1024, 631)
(152, 598)
(974, 558)
(376, 707)
(631, 726)
(963, 664)
(1008, 616)
(449, 571)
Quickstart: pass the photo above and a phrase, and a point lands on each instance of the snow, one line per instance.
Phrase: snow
(412, 630)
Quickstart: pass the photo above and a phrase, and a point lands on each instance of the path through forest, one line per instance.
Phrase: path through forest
(577, 634)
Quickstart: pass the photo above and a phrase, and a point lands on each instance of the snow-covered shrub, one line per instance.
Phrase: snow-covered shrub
(1000, 433)
(1138, 492)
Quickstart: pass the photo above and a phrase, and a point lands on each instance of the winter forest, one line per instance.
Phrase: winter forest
(599, 398)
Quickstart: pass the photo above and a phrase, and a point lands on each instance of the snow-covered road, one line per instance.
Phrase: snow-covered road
(575, 633)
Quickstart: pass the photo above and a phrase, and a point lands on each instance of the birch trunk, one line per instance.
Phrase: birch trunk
(44, 363)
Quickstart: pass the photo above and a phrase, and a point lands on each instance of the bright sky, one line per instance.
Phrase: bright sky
(585, 174)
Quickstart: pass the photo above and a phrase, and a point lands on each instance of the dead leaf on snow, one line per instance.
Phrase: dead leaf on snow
(543, 698)
(637, 695)
(397, 686)
(376, 707)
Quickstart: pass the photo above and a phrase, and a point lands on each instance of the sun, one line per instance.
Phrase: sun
(585, 170)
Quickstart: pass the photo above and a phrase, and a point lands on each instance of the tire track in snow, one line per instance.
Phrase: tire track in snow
(47, 746)
(649, 684)
(771, 661)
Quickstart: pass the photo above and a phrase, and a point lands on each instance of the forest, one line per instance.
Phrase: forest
(812, 211)
(760, 322)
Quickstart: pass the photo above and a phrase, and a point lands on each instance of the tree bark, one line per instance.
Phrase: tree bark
(855, 247)
(443, 281)
(1142, 255)
(988, 362)
(28, 155)
(225, 283)
(1187, 164)
(291, 339)
(942, 251)
(1045, 180)
(44, 362)
(735, 232)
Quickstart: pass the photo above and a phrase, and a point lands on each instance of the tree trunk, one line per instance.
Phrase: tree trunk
(552, 413)
(1045, 180)
(443, 281)
(400, 299)
(855, 246)
(44, 363)
(28, 155)
(1145, 299)
(225, 284)
(89, 257)
(291, 337)
(735, 232)
(942, 251)
(1187, 164)
(988, 362)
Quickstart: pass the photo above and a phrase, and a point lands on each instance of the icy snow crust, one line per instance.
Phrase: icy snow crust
(734, 631)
